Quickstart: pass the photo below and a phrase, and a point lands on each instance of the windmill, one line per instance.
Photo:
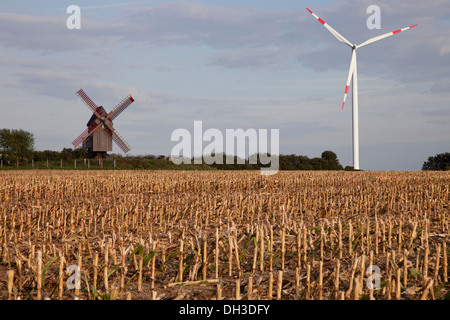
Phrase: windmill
(98, 136)
(353, 74)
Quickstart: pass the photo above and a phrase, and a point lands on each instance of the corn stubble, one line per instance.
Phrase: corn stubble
(224, 235)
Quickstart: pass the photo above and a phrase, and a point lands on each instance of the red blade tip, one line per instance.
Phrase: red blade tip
(309, 10)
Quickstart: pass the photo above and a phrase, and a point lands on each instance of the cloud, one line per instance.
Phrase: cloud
(272, 39)
(256, 38)
(420, 51)
(439, 113)
(45, 83)
(254, 58)
(189, 23)
(50, 34)
(114, 5)
(443, 114)
(166, 56)
(22, 63)
(62, 85)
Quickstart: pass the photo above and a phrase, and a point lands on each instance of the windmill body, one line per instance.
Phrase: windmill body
(353, 77)
(100, 142)
(97, 138)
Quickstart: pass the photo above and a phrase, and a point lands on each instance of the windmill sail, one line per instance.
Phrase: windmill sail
(100, 125)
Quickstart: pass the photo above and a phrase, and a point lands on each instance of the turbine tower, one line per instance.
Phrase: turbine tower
(353, 74)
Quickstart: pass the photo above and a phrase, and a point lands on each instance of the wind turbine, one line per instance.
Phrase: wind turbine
(353, 74)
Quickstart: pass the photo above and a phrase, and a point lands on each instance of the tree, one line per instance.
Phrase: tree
(439, 162)
(67, 154)
(81, 153)
(46, 155)
(332, 162)
(319, 164)
(328, 161)
(17, 143)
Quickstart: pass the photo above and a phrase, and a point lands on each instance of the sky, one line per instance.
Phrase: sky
(232, 64)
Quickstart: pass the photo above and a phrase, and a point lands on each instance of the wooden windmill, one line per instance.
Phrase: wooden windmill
(98, 136)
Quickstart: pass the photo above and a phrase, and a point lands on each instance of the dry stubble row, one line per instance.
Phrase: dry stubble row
(226, 235)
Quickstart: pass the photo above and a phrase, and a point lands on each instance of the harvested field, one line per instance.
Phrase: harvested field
(224, 235)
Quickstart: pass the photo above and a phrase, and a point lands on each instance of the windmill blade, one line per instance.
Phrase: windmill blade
(91, 104)
(383, 36)
(86, 133)
(333, 32)
(120, 107)
(117, 139)
(350, 75)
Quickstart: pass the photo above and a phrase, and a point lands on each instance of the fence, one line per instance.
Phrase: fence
(81, 164)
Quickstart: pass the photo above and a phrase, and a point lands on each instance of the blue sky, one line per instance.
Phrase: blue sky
(232, 64)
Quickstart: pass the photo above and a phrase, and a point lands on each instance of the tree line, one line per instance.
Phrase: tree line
(327, 161)
(18, 144)
(438, 162)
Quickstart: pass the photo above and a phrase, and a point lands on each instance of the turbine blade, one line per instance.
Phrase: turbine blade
(333, 32)
(383, 36)
(350, 75)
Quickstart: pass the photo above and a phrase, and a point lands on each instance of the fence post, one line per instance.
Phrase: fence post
(89, 163)
(1, 165)
(75, 166)
(32, 163)
(61, 163)
(114, 163)
(47, 163)
(17, 163)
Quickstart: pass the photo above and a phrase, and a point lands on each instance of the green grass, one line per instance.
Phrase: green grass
(121, 164)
